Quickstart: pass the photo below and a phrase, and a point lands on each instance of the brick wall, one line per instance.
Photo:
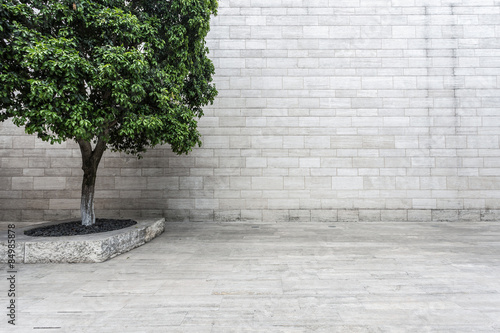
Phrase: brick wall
(328, 110)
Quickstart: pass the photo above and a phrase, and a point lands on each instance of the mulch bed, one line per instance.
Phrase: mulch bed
(75, 228)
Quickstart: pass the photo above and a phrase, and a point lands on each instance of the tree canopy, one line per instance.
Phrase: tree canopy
(133, 73)
(118, 74)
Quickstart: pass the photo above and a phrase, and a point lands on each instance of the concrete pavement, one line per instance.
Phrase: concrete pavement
(274, 277)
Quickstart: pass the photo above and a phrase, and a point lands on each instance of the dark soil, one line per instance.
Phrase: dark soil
(76, 228)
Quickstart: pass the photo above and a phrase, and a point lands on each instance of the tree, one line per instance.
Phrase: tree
(123, 75)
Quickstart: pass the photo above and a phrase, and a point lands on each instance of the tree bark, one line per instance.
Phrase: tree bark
(87, 203)
(90, 162)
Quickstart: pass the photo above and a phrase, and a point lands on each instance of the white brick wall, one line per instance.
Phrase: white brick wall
(327, 110)
(385, 108)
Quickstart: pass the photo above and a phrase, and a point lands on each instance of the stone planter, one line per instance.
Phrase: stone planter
(97, 247)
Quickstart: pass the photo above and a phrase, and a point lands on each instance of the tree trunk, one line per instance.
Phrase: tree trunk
(90, 162)
(87, 203)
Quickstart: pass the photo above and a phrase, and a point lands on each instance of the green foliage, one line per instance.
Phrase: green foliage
(132, 73)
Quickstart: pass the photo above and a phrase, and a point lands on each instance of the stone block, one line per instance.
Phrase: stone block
(441, 215)
(267, 183)
(207, 204)
(200, 215)
(227, 215)
(181, 203)
(348, 215)
(5, 142)
(366, 215)
(13, 163)
(416, 215)
(394, 215)
(31, 215)
(347, 183)
(299, 215)
(324, 215)
(316, 183)
(280, 204)
(24, 142)
(469, 215)
(80, 249)
(176, 215)
(49, 183)
(490, 215)
(10, 214)
(251, 215)
(275, 216)
(64, 203)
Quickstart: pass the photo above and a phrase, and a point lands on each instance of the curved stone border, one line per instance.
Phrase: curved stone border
(77, 249)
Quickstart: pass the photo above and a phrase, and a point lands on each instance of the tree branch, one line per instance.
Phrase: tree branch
(85, 149)
(99, 150)
(113, 123)
(91, 158)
